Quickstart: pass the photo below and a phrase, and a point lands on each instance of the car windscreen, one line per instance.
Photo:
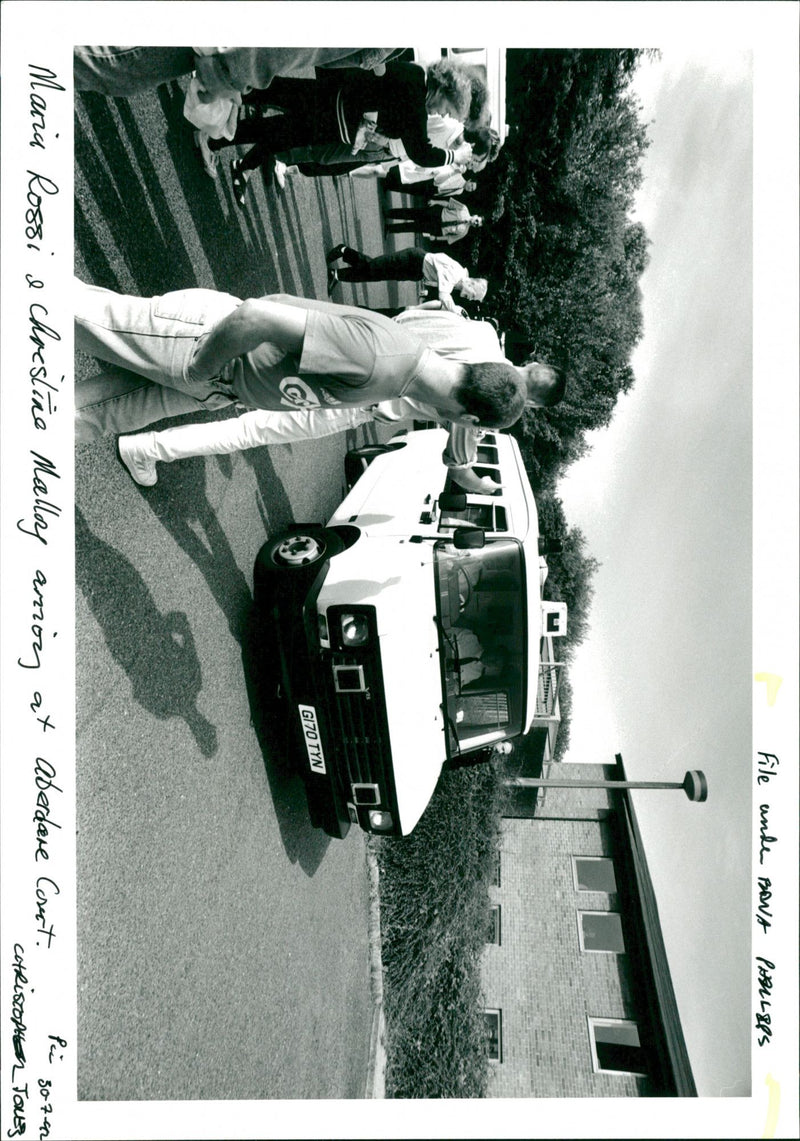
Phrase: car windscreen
(481, 609)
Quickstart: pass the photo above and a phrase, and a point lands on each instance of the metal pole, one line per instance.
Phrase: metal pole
(694, 784)
(546, 782)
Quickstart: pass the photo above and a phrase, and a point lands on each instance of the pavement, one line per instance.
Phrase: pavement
(376, 1067)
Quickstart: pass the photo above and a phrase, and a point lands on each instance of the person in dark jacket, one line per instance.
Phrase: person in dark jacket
(446, 220)
(441, 274)
(332, 108)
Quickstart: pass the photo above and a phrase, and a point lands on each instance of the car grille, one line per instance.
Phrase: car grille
(358, 722)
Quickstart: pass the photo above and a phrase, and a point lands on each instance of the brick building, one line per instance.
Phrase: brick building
(579, 1000)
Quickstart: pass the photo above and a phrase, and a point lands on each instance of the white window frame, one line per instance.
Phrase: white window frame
(593, 859)
(498, 1012)
(598, 950)
(591, 1023)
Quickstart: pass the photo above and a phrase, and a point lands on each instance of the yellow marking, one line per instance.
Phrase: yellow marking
(773, 685)
(773, 1105)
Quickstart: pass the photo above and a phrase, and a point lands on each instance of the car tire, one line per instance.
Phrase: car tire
(358, 460)
(297, 550)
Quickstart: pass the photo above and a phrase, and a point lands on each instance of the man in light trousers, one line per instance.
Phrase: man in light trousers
(447, 333)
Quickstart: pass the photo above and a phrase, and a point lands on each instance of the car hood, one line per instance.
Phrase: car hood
(404, 601)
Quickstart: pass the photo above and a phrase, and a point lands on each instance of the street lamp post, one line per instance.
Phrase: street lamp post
(694, 783)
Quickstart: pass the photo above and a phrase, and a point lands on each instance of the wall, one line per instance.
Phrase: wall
(539, 977)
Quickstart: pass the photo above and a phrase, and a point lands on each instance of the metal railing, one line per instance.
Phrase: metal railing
(547, 689)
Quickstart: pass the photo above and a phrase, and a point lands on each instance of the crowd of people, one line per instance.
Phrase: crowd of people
(300, 368)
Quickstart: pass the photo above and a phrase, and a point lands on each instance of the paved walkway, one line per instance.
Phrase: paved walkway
(376, 1069)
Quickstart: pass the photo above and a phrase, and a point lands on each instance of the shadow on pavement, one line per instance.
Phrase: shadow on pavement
(274, 506)
(179, 501)
(155, 650)
(130, 201)
(304, 844)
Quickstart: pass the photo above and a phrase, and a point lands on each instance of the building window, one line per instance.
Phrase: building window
(493, 933)
(615, 1047)
(594, 873)
(495, 880)
(600, 931)
(494, 1034)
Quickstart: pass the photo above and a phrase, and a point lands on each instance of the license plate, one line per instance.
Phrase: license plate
(310, 728)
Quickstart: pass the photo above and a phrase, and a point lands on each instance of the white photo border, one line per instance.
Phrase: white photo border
(38, 540)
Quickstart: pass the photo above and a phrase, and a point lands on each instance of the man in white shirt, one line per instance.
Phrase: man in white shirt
(437, 270)
(447, 333)
(447, 220)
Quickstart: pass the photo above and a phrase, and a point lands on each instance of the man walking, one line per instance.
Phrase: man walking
(278, 353)
(437, 270)
(444, 220)
(448, 334)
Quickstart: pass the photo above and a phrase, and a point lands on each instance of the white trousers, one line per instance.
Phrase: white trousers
(250, 430)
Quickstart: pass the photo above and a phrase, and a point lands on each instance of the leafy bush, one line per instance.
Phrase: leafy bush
(560, 250)
(434, 920)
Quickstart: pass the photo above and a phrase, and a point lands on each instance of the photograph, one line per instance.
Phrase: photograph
(399, 572)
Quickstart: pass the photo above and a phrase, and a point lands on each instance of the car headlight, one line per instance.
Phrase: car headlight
(379, 820)
(355, 629)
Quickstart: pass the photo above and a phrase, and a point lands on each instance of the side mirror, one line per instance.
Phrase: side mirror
(468, 538)
(452, 501)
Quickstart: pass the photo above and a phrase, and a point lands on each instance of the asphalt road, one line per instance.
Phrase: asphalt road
(222, 942)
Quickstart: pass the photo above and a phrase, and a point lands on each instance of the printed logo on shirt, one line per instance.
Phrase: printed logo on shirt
(297, 394)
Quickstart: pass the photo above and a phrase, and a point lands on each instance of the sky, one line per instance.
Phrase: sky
(665, 502)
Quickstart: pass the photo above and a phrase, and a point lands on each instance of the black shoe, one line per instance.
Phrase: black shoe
(337, 252)
(239, 180)
(333, 280)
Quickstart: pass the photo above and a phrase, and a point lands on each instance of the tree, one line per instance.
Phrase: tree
(570, 570)
(561, 253)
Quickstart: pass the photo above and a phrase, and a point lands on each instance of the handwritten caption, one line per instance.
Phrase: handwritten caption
(767, 769)
(32, 1080)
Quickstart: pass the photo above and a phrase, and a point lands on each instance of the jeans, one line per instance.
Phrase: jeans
(309, 117)
(155, 339)
(111, 404)
(415, 219)
(121, 71)
(128, 70)
(399, 265)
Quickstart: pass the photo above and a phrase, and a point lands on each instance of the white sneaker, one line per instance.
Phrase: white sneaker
(142, 468)
(280, 173)
(210, 158)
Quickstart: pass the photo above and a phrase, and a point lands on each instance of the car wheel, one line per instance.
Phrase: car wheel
(297, 550)
(358, 460)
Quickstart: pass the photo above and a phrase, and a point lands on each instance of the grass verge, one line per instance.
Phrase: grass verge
(434, 920)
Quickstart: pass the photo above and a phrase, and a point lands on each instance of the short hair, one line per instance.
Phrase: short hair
(485, 143)
(453, 82)
(548, 393)
(494, 392)
(482, 286)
